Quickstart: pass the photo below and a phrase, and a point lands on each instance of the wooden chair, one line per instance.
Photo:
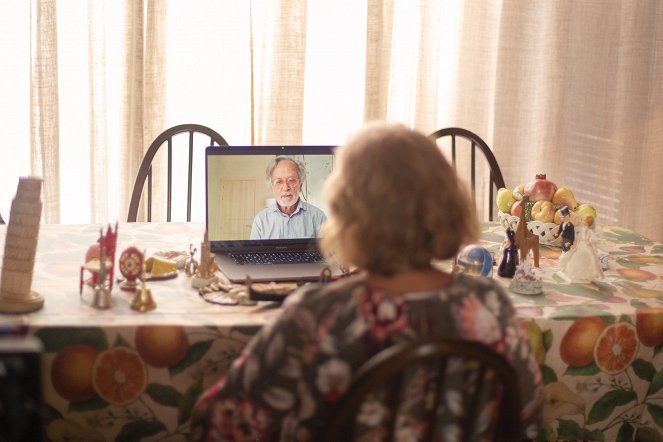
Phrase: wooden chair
(145, 171)
(386, 371)
(473, 142)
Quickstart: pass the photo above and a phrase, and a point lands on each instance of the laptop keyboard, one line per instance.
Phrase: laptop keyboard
(301, 257)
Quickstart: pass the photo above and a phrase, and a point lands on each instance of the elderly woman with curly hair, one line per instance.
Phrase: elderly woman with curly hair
(396, 206)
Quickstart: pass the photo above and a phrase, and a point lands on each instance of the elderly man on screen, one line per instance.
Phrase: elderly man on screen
(288, 216)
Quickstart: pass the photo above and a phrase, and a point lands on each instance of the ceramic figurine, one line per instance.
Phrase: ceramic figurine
(580, 263)
(566, 229)
(507, 267)
(526, 240)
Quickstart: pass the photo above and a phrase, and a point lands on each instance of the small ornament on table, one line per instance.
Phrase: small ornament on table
(191, 265)
(475, 260)
(102, 292)
(507, 267)
(525, 281)
(525, 240)
(158, 268)
(131, 265)
(143, 300)
(566, 229)
(205, 274)
(108, 241)
(581, 263)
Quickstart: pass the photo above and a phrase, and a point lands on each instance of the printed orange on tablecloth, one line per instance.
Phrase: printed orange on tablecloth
(119, 376)
(616, 347)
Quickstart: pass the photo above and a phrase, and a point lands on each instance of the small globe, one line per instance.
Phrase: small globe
(475, 260)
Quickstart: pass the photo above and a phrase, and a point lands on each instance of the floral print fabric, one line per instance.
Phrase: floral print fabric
(285, 384)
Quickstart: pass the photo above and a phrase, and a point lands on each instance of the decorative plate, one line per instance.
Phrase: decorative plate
(131, 263)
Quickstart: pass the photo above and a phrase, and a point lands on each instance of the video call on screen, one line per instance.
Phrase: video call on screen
(237, 189)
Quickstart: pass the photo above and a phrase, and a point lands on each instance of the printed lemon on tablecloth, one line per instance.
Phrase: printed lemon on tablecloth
(119, 376)
(540, 203)
(537, 340)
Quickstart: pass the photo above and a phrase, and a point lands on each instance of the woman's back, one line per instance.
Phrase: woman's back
(287, 384)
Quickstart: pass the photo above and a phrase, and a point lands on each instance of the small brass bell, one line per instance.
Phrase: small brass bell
(102, 296)
(101, 299)
(143, 300)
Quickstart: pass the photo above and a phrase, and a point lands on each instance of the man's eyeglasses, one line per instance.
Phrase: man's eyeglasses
(280, 182)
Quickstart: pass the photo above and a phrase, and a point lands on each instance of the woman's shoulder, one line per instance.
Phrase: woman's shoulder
(468, 283)
(487, 290)
(313, 293)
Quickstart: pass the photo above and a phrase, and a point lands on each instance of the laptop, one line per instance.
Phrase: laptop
(237, 189)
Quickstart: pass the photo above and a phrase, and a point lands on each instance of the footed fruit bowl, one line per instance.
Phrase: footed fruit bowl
(545, 231)
(543, 205)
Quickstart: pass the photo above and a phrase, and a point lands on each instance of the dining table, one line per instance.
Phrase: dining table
(115, 372)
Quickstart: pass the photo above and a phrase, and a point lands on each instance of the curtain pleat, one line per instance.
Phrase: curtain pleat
(378, 58)
(132, 142)
(427, 79)
(279, 48)
(44, 122)
(155, 87)
(99, 179)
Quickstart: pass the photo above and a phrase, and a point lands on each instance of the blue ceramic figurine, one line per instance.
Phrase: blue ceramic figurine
(509, 261)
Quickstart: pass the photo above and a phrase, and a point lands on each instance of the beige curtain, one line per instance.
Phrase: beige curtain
(278, 54)
(378, 58)
(572, 89)
(133, 122)
(44, 123)
(149, 85)
(575, 90)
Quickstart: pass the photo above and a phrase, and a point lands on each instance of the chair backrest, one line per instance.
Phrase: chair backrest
(461, 138)
(145, 171)
(485, 376)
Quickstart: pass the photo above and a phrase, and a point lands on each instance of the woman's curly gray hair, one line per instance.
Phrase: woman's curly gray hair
(395, 203)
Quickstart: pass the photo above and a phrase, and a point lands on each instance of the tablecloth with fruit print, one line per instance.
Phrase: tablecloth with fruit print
(600, 344)
(118, 374)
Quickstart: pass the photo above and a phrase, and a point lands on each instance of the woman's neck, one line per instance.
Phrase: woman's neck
(411, 280)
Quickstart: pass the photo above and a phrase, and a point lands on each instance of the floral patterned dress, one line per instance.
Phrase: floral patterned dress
(286, 382)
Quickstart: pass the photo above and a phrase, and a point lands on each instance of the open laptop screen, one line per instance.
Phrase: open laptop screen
(238, 189)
